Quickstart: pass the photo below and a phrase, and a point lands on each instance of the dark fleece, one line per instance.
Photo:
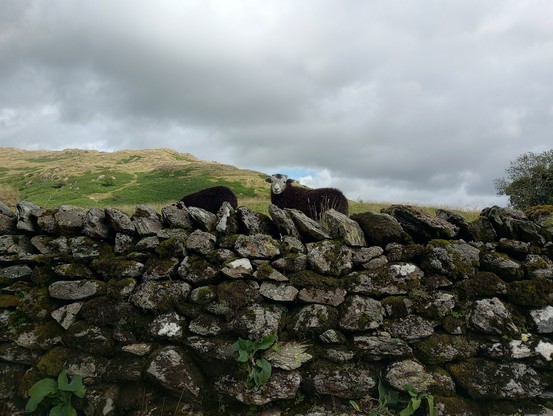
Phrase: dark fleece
(211, 199)
(312, 202)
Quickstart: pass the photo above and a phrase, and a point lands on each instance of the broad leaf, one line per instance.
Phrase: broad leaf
(76, 385)
(64, 409)
(39, 391)
(242, 356)
(266, 370)
(266, 342)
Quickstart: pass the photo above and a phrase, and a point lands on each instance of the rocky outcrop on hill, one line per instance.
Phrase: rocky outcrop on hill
(147, 308)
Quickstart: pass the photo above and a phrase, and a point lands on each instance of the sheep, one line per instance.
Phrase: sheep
(312, 202)
(210, 199)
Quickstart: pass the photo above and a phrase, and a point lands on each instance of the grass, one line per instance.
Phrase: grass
(124, 179)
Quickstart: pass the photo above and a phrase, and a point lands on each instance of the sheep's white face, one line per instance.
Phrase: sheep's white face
(278, 183)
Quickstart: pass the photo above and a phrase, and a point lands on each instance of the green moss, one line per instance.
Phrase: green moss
(535, 292)
(395, 306)
(172, 247)
(9, 301)
(483, 284)
(309, 278)
(48, 331)
(53, 361)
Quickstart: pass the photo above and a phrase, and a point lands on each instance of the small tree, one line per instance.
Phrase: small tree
(529, 180)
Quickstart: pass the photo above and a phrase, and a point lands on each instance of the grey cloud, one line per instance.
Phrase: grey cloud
(429, 97)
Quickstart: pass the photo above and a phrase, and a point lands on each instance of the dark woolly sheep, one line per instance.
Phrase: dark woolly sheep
(312, 202)
(211, 199)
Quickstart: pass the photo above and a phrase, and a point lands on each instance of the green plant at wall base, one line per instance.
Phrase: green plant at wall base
(259, 369)
(57, 393)
(416, 401)
(386, 397)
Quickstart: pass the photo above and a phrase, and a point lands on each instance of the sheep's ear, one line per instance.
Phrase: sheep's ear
(269, 179)
(290, 180)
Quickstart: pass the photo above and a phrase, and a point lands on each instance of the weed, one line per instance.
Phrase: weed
(57, 393)
(259, 369)
(416, 401)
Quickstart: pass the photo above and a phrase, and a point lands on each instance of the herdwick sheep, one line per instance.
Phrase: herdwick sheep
(211, 199)
(312, 202)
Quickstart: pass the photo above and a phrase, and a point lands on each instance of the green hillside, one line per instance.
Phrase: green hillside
(90, 178)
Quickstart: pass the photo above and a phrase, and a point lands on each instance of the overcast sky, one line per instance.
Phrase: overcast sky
(423, 101)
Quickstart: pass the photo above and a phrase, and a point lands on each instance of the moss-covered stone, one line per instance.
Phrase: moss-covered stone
(483, 284)
(9, 301)
(172, 247)
(309, 278)
(37, 304)
(535, 292)
(442, 348)
(53, 361)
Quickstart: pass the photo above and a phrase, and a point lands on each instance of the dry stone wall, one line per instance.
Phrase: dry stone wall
(146, 308)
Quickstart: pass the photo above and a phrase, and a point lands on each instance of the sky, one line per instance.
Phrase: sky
(421, 102)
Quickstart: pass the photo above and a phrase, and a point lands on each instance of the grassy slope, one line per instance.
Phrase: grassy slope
(123, 179)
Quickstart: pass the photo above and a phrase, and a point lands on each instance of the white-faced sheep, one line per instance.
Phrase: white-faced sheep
(211, 199)
(312, 202)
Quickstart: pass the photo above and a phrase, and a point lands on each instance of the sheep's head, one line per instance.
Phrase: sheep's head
(278, 183)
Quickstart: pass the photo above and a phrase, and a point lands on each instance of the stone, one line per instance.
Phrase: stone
(308, 228)
(381, 347)
(341, 227)
(76, 289)
(410, 372)
(280, 292)
(410, 328)
(255, 222)
(454, 259)
(202, 295)
(503, 266)
(390, 279)
(173, 369)
(289, 356)
(465, 231)
(177, 216)
(380, 229)
(314, 319)
(196, 270)
(83, 248)
(439, 349)
(363, 255)
(421, 226)
(159, 269)
(346, 381)
(490, 316)
(67, 314)
(27, 214)
(8, 220)
(69, 220)
(200, 242)
(204, 219)
(256, 321)
(227, 220)
(283, 222)
(146, 220)
(14, 273)
(238, 269)
(160, 295)
(167, 326)
(360, 314)
(283, 385)
(258, 246)
(325, 296)
(119, 221)
(543, 319)
(330, 257)
(484, 379)
(207, 325)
